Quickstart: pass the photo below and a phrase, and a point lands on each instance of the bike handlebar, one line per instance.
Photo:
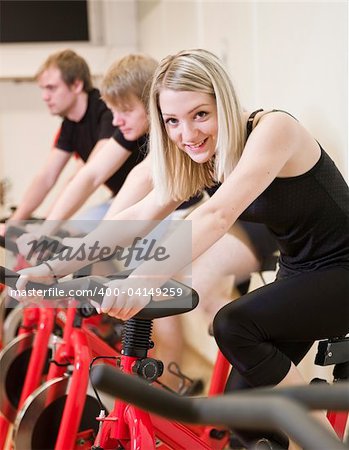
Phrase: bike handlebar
(46, 245)
(93, 288)
(45, 242)
(269, 409)
(8, 244)
(14, 232)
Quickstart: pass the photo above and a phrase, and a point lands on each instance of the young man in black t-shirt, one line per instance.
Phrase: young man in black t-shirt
(126, 95)
(110, 163)
(66, 85)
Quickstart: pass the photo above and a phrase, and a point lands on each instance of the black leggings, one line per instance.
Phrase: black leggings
(264, 331)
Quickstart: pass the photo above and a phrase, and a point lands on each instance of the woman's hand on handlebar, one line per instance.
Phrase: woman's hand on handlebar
(38, 274)
(125, 298)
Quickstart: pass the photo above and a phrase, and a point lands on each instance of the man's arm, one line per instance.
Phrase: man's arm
(137, 220)
(78, 164)
(41, 184)
(106, 158)
(137, 185)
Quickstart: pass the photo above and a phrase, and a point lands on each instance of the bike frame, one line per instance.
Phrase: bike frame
(78, 347)
(338, 420)
(41, 320)
(126, 424)
(136, 429)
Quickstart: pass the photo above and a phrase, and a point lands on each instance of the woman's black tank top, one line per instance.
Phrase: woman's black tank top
(308, 215)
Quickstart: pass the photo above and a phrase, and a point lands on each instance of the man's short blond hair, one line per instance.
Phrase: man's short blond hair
(130, 75)
(72, 67)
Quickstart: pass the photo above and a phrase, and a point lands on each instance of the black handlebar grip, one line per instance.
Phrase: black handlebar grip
(9, 278)
(134, 390)
(14, 232)
(94, 288)
(137, 391)
(236, 410)
(9, 245)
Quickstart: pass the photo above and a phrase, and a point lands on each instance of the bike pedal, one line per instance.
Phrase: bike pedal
(235, 443)
(188, 386)
(266, 444)
(194, 388)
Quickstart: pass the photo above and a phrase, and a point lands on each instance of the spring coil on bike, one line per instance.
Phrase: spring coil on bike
(136, 337)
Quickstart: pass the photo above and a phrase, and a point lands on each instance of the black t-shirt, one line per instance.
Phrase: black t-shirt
(309, 217)
(138, 150)
(81, 137)
(96, 124)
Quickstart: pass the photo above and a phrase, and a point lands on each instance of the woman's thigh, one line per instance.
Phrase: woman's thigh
(304, 307)
(228, 262)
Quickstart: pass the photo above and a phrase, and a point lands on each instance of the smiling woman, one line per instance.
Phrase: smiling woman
(206, 82)
(272, 171)
(194, 126)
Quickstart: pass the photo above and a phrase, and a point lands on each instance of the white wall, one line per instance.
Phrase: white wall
(289, 55)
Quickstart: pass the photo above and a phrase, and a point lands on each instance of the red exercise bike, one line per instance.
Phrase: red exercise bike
(127, 427)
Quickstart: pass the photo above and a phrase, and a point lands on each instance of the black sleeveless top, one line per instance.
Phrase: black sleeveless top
(309, 217)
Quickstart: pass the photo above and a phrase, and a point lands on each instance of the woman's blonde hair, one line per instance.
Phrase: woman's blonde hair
(130, 75)
(176, 175)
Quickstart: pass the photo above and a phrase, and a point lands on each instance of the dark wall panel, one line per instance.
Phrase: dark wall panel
(43, 20)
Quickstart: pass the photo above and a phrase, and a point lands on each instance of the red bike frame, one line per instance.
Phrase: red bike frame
(78, 347)
(127, 425)
(138, 430)
(41, 320)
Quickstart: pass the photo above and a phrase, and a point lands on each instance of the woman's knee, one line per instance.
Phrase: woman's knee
(220, 325)
(232, 325)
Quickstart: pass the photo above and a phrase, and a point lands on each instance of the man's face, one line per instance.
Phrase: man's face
(58, 96)
(131, 118)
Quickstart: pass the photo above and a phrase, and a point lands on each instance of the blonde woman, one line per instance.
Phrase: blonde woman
(125, 89)
(272, 171)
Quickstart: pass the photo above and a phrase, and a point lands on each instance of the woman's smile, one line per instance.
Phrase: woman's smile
(196, 147)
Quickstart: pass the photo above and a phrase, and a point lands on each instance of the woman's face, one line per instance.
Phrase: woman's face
(191, 122)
